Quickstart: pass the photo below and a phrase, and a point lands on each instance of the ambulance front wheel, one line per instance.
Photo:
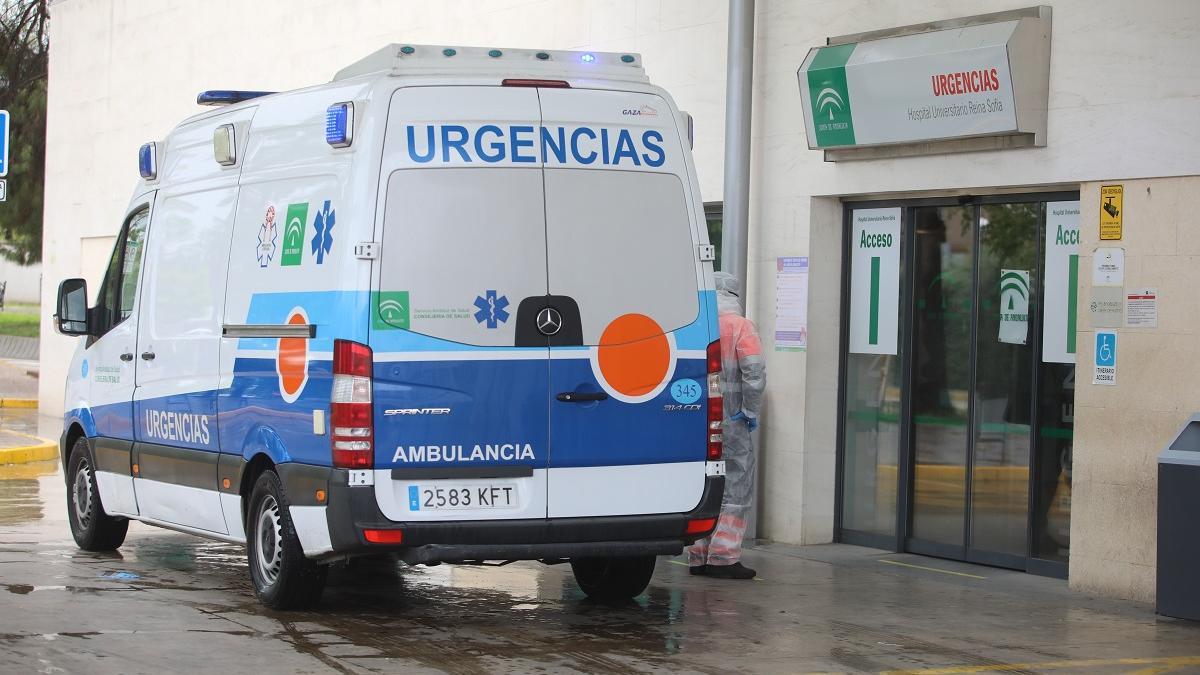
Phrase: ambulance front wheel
(92, 528)
(613, 579)
(283, 578)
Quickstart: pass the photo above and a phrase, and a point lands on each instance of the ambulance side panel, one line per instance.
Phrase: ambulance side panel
(99, 396)
(179, 330)
(291, 262)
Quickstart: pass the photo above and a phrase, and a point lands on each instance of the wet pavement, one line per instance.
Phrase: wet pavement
(169, 602)
(18, 378)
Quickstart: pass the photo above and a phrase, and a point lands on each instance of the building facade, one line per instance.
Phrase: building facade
(959, 426)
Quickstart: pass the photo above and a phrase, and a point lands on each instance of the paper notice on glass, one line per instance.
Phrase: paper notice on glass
(791, 304)
(1141, 308)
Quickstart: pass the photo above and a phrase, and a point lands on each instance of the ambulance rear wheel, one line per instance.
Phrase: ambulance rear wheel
(283, 577)
(92, 528)
(613, 579)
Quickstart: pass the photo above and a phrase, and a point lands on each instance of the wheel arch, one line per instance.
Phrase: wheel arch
(72, 435)
(258, 463)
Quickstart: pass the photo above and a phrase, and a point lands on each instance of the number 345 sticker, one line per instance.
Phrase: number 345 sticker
(685, 392)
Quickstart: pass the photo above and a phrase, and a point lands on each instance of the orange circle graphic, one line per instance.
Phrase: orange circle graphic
(634, 355)
(293, 359)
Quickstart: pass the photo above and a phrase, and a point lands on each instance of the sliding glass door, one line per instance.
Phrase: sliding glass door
(956, 436)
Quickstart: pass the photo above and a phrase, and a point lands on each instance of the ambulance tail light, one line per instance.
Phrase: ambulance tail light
(716, 405)
(522, 82)
(353, 430)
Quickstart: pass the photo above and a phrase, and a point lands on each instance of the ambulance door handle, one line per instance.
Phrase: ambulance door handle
(127, 356)
(581, 396)
(147, 356)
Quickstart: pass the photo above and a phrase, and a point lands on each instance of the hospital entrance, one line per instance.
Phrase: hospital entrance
(958, 377)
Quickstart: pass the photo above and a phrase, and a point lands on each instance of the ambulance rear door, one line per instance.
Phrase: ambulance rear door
(627, 368)
(461, 419)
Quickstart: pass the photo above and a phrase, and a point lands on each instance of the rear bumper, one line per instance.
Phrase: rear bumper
(353, 509)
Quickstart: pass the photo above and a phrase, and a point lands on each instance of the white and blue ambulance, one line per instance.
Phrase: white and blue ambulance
(453, 306)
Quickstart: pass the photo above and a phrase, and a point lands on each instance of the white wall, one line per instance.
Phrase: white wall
(1123, 103)
(24, 281)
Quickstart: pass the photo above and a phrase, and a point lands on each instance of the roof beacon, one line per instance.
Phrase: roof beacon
(228, 96)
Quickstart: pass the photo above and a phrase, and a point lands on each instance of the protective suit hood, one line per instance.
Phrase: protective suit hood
(729, 292)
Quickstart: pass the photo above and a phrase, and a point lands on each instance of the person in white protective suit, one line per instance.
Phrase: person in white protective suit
(743, 378)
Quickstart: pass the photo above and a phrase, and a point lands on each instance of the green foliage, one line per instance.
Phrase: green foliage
(23, 59)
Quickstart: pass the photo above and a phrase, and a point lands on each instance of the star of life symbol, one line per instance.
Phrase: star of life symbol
(322, 241)
(491, 309)
(267, 234)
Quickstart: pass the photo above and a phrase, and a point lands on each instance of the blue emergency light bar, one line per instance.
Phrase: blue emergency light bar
(148, 161)
(228, 96)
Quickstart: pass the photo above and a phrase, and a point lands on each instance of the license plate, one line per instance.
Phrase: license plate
(450, 497)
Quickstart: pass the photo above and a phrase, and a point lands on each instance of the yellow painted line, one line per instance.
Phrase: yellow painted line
(18, 403)
(38, 451)
(931, 569)
(1170, 662)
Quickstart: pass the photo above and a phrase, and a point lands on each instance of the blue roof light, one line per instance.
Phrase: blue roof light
(148, 161)
(228, 96)
(339, 124)
(587, 58)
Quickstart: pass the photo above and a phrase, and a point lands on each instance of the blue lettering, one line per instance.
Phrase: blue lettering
(456, 143)
(605, 159)
(560, 150)
(497, 146)
(582, 159)
(517, 143)
(412, 150)
(625, 149)
(654, 146)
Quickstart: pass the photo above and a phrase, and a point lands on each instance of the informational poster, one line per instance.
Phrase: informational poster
(1062, 282)
(1141, 308)
(1014, 306)
(1108, 287)
(874, 280)
(791, 304)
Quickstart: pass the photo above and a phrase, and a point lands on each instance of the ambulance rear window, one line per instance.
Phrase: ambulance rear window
(461, 248)
(620, 242)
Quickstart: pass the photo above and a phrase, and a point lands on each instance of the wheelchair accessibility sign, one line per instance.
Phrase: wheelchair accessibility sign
(1106, 358)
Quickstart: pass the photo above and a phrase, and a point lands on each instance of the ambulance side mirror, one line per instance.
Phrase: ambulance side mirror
(72, 315)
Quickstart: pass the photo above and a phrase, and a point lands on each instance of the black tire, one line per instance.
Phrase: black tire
(613, 579)
(283, 577)
(92, 528)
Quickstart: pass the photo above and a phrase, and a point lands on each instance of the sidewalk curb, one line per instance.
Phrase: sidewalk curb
(18, 403)
(39, 452)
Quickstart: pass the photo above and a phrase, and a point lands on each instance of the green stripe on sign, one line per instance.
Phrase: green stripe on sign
(1072, 300)
(873, 323)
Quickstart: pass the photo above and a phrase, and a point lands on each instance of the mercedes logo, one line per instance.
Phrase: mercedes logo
(549, 321)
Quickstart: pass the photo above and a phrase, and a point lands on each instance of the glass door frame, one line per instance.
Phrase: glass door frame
(901, 539)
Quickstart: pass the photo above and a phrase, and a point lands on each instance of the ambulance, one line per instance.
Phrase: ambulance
(454, 306)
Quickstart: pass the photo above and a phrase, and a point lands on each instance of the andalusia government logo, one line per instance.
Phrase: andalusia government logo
(829, 96)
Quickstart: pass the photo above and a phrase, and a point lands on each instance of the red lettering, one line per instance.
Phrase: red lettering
(995, 80)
